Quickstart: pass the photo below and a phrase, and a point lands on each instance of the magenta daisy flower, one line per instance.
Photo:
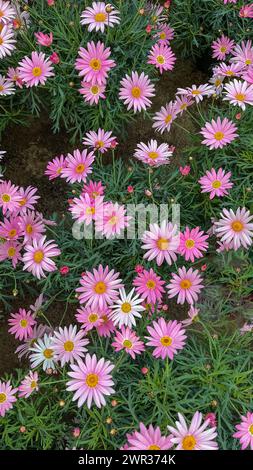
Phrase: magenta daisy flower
(68, 344)
(148, 439)
(246, 11)
(218, 133)
(90, 317)
(161, 243)
(94, 63)
(162, 57)
(112, 221)
(166, 337)
(136, 90)
(7, 393)
(239, 93)
(165, 34)
(245, 431)
(216, 183)
(149, 286)
(164, 118)
(100, 140)
(11, 250)
(55, 167)
(100, 15)
(9, 197)
(221, 47)
(235, 228)
(38, 257)
(85, 209)
(99, 288)
(186, 285)
(22, 324)
(196, 92)
(195, 436)
(127, 339)
(35, 70)
(192, 244)
(78, 166)
(28, 385)
(28, 199)
(44, 39)
(32, 226)
(92, 92)
(94, 189)
(10, 228)
(107, 326)
(91, 381)
(152, 153)
(243, 54)
(7, 12)
(7, 41)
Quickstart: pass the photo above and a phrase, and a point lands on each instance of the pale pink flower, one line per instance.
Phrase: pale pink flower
(9, 197)
(112, 220)
(247, 327)
(219, 133)
(128, 340)
(148, 438)
(195, 436)
(216, 183)
(69, 344)
(85, 209)
(32, 226)
(10, 228)
(90, 317)
(161, 243)
(239, 93)
(166, 337)
(162, 57)
(153, 154)
(28, 385)
(35, 70)
(245, 431)
(193, 316)
(91, 381)
(100, 140)
(196, 92)
(136, 90)
(248, 75)
(21, 324)
(98, 18)
(94, 63)
(78, 166)
(7, 41)
(38, 332)
(55, 167)
(28, 199)
(149, 286)
(235, 228)
(13, 75)
(44, 39)
(186, 285)
(182, 103)
(6, 86)
(229, 1)
(243, 54)
(229, 70)
(11, 250)
(221, 47)
(164, 118)
(192, 244)
(7, 12)
(165, 34)
(38, 257)
(92, 92)
(7, 393)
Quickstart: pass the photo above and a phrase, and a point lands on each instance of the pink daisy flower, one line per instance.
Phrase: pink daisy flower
(218, 133)
(78, 166)
(165, 34)
(98, 17)
(91, 381)
(113, 220)
(93, 189)
(164, 118)
(195, 436)
(38, 332)
(92, 92)
(166, 337)
(162, 57)
(221, 47)
(28, 198)
(7, 12)
(216, 183)
(192, 244)
(161, 243)
(6, 86)
(89, 317)
(196, 92)
(7, 41)
(55, 167)
(99, 288)
(229, 1)
(152, 153)
(13, 75)
(85, 209)
(193, 316)
(69, 345)
(100, 140)
(186, 285)
(7, 393)
(94, 63)
(35, 70)
(148, 439)
(10, 229)
(28, 385)
(229, 70)
(22, 324)
(245, 431)
(11, 250)
(9, 197)
(182, 103)
(44, 39)
(32, 226)
(248, 75)
(239, 93)
(149, 286)
(136, 90)
(243, 54)
(127, 339)
(235, 228)
(107, 326)
(38, 257)
(246, 11)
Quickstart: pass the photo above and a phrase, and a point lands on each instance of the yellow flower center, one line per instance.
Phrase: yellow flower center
(29, 229)
(248, 61)
(188, 442)
(240, 96)
(217, 82)
(1, 88)
(38, 256)
(6, 198)
(95, 64)
(92, 380)
(93, 317)
(166, 341)
(80, 168)
(216, 184)
(69, 346)
(36, 71)
(3, 397)
(113, 220)
(185, 284)
(190, 243)
(99, 144)
(94, 89)
(90, 210)
(237, 226)
(223, 49)
(153, 155)
(195, 92)
(1, 41)
(251, 429)
(154, 447)
(12, 233)
(33, 384)
(219, 135)
(126, 307)
(100, 287)
(48, 353)
(160, 59)
(163, 35)
(11, 252)
(150, 284)
(168, 118)
(100, 17)
(136, 92)
(23, 323)
(163, 244)
(127, 344)
(230, 73)
(23, 201)
(95, 194)
(59, 170)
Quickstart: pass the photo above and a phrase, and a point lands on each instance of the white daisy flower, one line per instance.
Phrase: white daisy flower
(6, 86)
(43, 353)
(126, 309)
(7, 41)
